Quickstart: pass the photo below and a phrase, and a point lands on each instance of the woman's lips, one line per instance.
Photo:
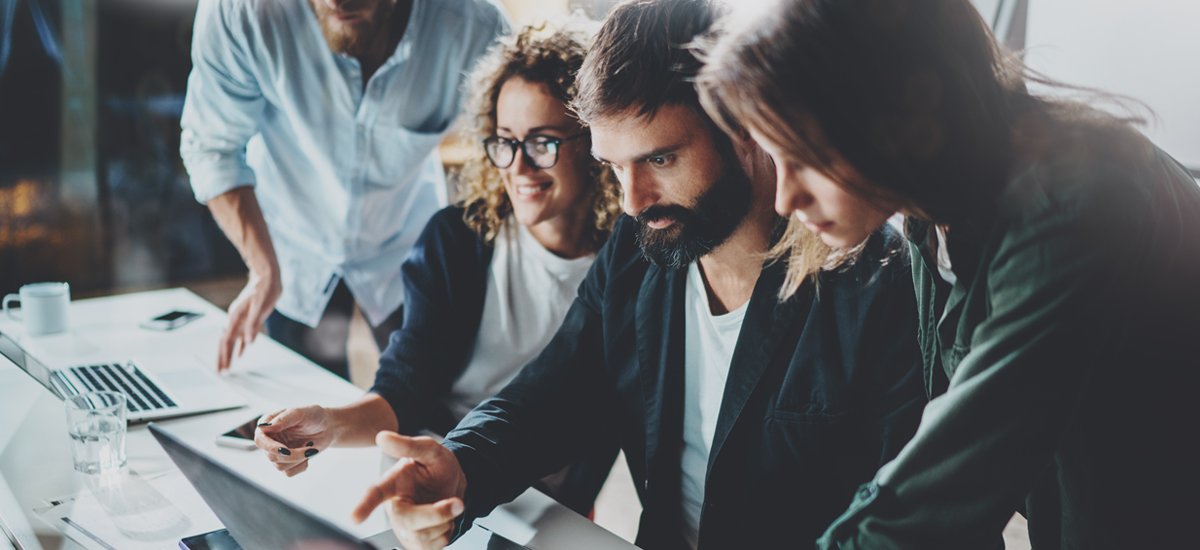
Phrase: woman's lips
(530, 191)
(818, 227)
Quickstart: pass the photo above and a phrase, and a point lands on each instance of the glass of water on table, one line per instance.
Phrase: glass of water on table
(97, 421)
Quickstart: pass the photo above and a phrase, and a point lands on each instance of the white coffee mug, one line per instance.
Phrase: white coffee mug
(44, 307)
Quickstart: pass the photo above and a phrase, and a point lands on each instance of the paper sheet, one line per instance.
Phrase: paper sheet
(126, 511)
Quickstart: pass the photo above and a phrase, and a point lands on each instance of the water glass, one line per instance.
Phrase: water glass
(96, 422)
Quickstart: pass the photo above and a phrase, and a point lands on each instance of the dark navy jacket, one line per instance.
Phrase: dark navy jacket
(822, 389)
(445, 282)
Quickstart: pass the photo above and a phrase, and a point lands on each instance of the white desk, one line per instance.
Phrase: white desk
(35, 461)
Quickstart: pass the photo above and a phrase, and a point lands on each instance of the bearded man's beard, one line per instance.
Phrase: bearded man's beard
(353, 40)
(698, 230)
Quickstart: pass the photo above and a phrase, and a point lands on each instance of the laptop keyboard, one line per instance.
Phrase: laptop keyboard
(141, 393)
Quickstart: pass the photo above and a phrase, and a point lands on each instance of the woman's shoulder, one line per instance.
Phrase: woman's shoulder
(1091, 166)
(447, 234)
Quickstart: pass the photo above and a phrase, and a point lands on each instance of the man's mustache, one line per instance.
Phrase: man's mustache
(659, 212)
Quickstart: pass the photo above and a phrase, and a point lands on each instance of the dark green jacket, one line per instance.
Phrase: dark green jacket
(1066, 357)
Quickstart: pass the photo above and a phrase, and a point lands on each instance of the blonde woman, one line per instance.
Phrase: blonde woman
(491, 278)
(1056, 258)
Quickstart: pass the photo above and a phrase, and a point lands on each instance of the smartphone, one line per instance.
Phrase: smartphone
(212, 540)
(241, 437)
(171, 320)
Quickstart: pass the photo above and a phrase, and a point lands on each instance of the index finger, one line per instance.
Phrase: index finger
(224, 349)
(415, 517)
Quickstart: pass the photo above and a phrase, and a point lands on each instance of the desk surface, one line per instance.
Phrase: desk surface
(35, 461)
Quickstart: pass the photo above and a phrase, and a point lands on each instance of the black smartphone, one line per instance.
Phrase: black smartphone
(171, 320)
(241, 437)
(212, 540)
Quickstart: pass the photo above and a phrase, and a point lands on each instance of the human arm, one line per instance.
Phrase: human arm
(292, 436)
(445, 279)
(982, 445)
(221, 112)
(238, 215)
(423, 492)
(555, 409)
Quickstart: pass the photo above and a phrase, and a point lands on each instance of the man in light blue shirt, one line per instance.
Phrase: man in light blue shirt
(310, 130)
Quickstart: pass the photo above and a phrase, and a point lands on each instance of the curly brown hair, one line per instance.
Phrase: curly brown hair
(549, 55)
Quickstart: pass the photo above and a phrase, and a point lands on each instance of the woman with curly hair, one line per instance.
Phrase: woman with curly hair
(491, 278)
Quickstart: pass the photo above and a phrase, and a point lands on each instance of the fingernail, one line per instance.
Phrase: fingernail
(309, 444)
(283, 451)
(456, 508)
(264, 424)
(309, 453)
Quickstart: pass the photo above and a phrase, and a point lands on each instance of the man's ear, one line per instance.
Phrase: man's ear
(755, 161)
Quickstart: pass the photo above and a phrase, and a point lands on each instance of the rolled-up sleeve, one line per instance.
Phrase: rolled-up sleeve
(224, 103)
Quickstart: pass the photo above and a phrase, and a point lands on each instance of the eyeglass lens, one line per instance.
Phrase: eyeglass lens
(541, 151)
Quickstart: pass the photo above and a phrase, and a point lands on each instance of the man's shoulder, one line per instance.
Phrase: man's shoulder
(620, 263)
(258, 14)
(481, 13)
(882, 263)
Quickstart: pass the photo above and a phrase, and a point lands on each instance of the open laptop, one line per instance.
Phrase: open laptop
(258, 518)
(151, 393)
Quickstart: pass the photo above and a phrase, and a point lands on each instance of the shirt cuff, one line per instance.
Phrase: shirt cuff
(214, 174)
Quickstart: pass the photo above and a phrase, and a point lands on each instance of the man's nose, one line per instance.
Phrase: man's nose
(638, 191)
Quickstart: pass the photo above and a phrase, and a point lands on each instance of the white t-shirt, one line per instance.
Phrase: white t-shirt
(529, 291)
(709, 341)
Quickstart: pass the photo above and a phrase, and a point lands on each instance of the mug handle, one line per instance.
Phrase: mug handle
(9, 310)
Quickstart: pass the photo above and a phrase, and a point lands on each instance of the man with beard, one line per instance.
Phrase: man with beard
(309, 130)
(746, 421)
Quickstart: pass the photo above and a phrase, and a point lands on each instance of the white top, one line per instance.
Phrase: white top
(347, 175)
(942, 257)
(529, 291)
(709, 341)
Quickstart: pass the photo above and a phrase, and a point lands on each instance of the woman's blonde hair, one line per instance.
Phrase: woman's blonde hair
(550, 55)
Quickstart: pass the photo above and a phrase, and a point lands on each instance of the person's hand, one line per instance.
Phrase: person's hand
(292, 436)
(247, 314)
(424, 491)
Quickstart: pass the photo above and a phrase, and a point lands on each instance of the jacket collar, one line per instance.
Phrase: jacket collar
(659, 320)
(766, 323)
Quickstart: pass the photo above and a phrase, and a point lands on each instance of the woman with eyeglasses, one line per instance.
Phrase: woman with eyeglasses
(1056, 257)
(491, 278)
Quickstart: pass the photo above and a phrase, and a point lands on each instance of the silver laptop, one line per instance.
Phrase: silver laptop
(150, 393)
(258, 518)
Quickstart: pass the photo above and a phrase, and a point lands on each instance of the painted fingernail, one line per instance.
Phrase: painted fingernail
(309, 444)
(283, 451)
(310, 453)
(264, 424)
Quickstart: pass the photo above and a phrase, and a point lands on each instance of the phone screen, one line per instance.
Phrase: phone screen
(173, 315)
(245, 431)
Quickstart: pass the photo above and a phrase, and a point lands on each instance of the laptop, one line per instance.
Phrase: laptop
(257, 518)
(151, 393)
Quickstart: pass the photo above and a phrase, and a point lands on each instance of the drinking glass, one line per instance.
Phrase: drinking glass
(97, 422)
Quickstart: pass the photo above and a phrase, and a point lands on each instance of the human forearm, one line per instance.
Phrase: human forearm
(239, 216)
(357, 424)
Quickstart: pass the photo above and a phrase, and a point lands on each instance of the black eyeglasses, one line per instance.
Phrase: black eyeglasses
(540, 151)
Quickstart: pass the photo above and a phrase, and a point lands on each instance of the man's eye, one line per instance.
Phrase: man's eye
(660, 161)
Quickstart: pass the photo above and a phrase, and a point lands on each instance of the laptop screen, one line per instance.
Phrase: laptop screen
(255, 517)
(40, 372)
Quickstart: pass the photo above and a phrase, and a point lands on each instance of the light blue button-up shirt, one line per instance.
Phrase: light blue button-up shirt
(347, 175)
